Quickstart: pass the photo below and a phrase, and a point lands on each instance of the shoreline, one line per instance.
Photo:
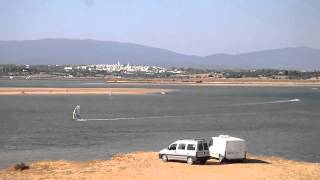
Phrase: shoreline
(147, 165)
(79, 91)
(255, 82)
(223, 82)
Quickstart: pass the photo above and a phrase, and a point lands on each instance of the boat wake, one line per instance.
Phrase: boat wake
(77, 117)
(269, 102)
(142, 117)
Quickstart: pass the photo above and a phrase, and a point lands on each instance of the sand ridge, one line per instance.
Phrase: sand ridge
(147, 165)
(70, 91)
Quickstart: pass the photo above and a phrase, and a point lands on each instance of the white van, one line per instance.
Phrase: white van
(189, 150)
(225, 147)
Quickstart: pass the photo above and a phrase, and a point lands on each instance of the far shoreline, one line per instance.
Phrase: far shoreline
(227, 84)
(233, 82)
(220, 82)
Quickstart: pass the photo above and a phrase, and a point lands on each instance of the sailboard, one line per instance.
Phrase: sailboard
(76, 113)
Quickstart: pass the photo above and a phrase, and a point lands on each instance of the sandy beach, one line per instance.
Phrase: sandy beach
(70, 91)
(146, 165)
(222, 82)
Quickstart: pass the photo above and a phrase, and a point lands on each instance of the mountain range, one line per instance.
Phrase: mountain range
(73, 51)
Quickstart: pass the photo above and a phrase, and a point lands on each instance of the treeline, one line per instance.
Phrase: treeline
(256, 73)
(22, 70)
(55, 70)
(274, 74)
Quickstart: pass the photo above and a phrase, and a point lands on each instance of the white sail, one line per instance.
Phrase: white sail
(76, 113)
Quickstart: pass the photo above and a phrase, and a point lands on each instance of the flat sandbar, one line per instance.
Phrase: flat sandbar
(77, 91)
(223, 82)
(147, 165)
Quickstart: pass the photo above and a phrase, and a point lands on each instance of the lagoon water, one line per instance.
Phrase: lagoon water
(39, 127)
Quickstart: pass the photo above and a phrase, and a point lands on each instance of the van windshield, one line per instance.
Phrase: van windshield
(173, 147)
(200, 147)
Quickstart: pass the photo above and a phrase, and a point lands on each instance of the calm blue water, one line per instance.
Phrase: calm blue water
(40, 127)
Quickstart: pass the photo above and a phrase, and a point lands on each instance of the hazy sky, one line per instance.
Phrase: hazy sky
(198, 27)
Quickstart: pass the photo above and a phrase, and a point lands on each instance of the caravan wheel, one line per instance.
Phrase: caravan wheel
(221, 159)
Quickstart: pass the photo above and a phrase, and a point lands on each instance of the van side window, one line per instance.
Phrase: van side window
(191, 147)
(173, 147)
(205, 146)
(182, 146)
(200, 147)
(210, 142)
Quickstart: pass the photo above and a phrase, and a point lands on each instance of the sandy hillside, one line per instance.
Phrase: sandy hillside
(146, 165)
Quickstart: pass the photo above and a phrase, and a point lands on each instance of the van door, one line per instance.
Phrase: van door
(181, 152)
(191, 150)
(200, 152)
(172, 151)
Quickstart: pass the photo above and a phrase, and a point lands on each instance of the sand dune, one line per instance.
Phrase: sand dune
(146, 165)
(70, 91)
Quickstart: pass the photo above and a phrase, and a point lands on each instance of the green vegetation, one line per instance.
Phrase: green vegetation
(58, 71)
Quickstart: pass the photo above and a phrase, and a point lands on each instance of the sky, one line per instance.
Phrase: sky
(199, 27)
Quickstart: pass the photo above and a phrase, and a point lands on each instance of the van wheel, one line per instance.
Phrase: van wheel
(164, 158)
(221, 159)
(190, 161)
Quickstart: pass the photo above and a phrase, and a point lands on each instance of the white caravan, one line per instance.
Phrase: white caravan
(225, 147)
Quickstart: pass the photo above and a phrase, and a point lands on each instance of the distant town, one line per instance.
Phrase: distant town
(123, 71)
(117, 70)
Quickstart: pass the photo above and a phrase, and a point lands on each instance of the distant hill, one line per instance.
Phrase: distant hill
(67, 51)
(70, 51)
(299, 58)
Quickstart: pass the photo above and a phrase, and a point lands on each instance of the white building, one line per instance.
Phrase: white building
(67, 68)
